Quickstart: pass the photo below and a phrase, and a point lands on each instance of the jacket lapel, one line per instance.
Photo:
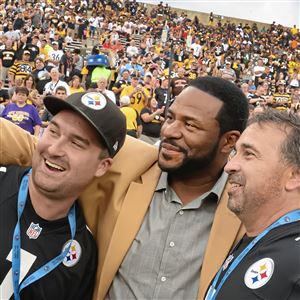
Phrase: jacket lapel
(134, 208)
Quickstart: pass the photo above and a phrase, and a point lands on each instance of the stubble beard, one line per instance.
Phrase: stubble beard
(255, 202)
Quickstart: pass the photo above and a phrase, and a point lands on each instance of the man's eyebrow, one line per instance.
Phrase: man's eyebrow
(54, 123)
(249, 146)
(187, 117)
(81, 139)
(74, 136)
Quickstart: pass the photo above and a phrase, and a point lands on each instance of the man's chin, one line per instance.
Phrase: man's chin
(167, 164)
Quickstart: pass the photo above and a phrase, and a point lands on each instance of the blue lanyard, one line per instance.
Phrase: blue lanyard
(214, 288)
(16, 244)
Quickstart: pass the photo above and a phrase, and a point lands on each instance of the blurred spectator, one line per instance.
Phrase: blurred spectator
(161, 93)
(66, 64)
(133, 122)
(54, 55)
(77, 62)
(151, 117)
(121, 84)
(7, 59)
(75, 85)
(61, 93)
(33, 96)
(21, 68)
(134, 67)
(227, 72)
(102, 88)
(132, 49)
(4, 98)
(22, 114)
(41, 74)
(33, 48)
(179, 82)
(137, 93)
(55, 82)
(258, 71)
(281, 99)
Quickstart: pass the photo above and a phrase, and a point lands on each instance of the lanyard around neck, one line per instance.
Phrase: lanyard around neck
(16, 244)
(215, 288)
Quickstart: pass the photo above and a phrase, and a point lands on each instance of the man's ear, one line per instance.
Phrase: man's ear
(103, 166)
(228, 141)
(293, 180)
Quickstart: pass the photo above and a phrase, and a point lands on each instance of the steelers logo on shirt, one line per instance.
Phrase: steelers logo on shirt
(73, 255)
(259, 273)
(94, 100)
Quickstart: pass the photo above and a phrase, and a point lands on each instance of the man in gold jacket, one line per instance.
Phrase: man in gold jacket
(115, 205)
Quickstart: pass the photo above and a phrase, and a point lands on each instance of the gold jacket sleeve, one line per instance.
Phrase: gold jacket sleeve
(16, 144)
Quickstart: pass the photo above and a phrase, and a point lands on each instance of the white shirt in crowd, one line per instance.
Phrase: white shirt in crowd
(258, 70)
(131, 50)
(111, 95)
(197, 49)
(51, 87)
(55, 55)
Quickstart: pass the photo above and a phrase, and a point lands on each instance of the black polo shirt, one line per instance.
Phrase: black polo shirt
(271, 269)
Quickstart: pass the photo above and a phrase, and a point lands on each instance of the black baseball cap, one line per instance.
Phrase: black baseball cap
(99, 111)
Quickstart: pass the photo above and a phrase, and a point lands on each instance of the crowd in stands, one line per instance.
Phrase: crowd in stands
(152, 53)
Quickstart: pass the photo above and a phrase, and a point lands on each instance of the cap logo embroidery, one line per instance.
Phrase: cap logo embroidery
(94, 101)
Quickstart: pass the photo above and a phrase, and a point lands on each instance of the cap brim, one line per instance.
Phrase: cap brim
(55, 105)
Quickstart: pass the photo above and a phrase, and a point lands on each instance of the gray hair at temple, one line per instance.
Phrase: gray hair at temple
(288, 122)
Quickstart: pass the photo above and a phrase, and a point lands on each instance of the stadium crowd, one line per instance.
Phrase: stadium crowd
(147, 56)
(87, 212)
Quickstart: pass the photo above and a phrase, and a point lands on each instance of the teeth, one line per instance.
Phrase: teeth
(52, 165)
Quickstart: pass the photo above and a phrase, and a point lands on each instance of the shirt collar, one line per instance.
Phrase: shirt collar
(217, 189)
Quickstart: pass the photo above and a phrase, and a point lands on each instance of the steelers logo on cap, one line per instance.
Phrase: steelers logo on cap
(94, 100)
(259, 273)
(73, 256)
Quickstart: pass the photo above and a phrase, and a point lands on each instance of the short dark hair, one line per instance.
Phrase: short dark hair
(234, 112)
(22, 90)
(61, 88)
(289, 122)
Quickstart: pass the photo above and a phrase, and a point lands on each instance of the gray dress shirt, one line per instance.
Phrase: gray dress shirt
(165, 258)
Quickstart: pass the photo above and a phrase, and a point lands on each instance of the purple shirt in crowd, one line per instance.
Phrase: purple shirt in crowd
(25, 117)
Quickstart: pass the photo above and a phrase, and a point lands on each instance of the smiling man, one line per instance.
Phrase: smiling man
(265, 194)
(164, 234)
(177, 237)
(44, 240)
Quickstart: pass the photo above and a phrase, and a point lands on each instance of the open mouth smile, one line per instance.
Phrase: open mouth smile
(53, 167)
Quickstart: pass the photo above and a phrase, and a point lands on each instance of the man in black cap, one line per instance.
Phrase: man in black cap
(47, 250)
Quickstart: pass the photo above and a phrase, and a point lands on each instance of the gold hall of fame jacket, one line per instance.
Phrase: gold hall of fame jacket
(115, 205)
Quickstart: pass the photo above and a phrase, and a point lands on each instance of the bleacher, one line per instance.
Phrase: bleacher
(136, 37)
